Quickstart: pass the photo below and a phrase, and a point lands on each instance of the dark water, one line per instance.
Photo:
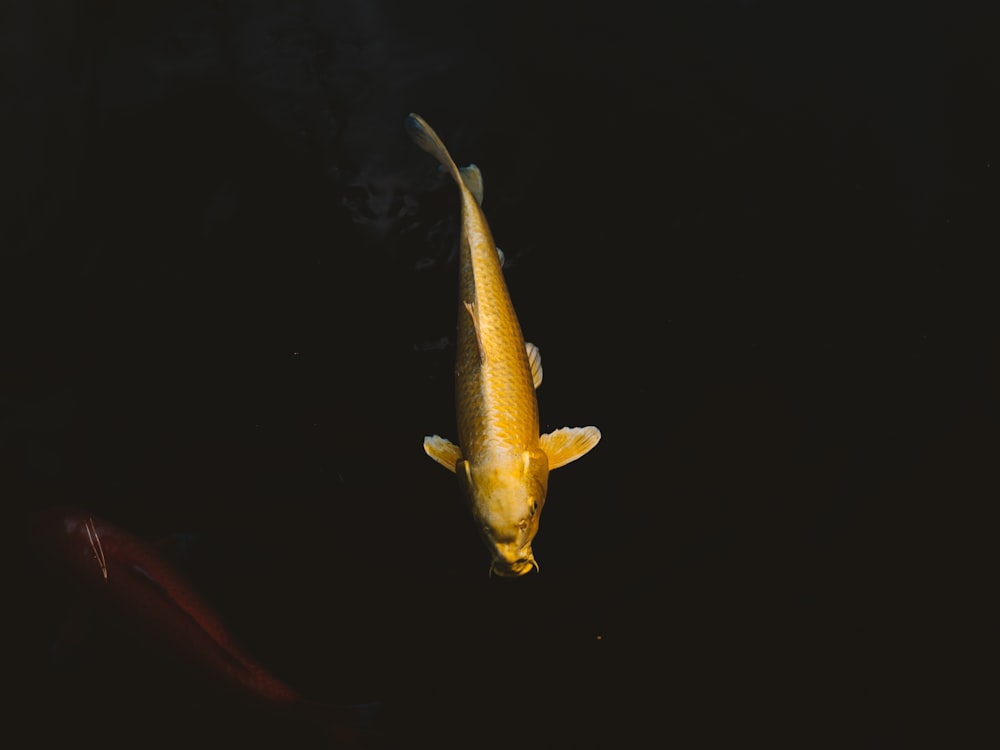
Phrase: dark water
(751, 240)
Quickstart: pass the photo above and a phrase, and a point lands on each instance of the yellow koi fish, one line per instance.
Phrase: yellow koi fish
(501, 462)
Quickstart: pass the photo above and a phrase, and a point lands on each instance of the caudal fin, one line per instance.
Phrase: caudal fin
(425, 137)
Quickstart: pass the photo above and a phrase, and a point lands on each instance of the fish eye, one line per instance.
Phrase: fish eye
(523, 524)
(486, 530)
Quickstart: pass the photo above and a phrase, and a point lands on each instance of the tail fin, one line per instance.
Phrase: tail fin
(425, 137)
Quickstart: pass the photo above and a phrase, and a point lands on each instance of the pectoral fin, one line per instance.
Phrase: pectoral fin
(443, 451)
(535, 360)
(568, 444)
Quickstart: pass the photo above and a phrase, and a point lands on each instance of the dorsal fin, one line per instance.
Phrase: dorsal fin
(473, 309)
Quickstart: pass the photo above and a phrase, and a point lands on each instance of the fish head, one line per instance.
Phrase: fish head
(506, 502)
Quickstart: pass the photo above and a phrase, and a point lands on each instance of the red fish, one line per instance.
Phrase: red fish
(128, 581)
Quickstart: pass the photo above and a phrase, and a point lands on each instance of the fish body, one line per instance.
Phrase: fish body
(128, 583)
(502, 462)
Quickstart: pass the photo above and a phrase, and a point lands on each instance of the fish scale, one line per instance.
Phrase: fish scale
(495, 396)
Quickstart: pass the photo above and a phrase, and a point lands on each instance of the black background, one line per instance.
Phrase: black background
(752, 240)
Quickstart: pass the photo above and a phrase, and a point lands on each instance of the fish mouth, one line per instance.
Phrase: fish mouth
(506, 569)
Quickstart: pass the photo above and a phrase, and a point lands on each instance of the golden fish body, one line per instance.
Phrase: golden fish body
(502, 462)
